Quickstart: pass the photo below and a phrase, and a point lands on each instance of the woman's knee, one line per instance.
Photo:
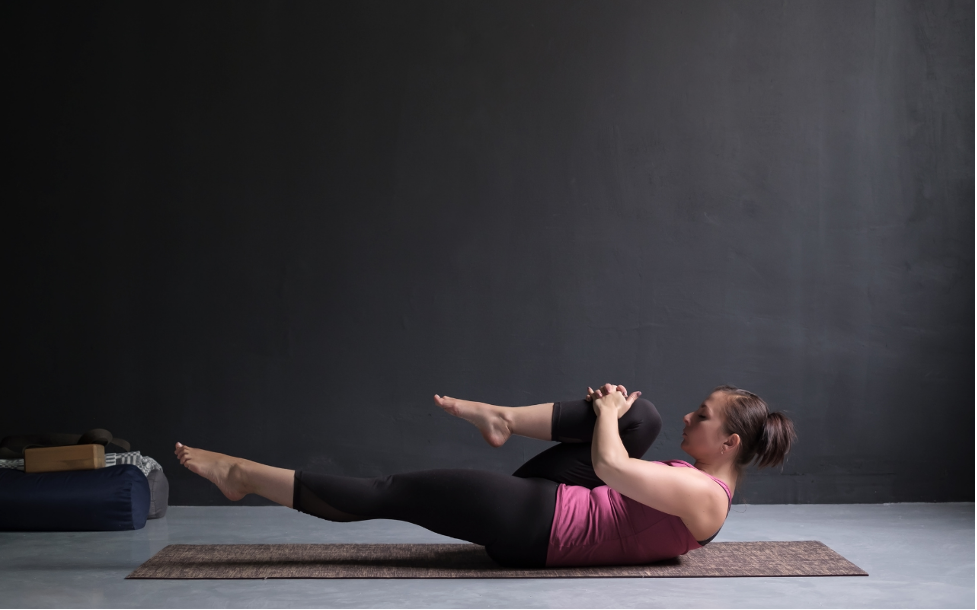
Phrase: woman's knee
(642, 419)
(651, 414)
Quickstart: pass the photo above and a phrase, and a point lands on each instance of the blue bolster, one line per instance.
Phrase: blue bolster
(103, 499)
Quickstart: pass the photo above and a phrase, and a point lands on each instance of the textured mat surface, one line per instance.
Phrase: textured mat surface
(717, 559)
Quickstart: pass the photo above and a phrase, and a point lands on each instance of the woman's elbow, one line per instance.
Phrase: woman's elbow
(607, 467)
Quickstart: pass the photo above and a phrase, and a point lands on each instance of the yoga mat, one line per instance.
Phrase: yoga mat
(717, 559)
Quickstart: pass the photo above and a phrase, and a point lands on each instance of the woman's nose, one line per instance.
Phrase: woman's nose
(685, 419)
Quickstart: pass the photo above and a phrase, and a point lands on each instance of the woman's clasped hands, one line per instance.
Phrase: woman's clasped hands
(611, 397)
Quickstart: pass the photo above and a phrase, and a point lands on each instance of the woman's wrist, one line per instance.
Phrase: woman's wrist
(606, 446)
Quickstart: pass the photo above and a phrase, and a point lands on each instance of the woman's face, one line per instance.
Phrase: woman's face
(703, 436)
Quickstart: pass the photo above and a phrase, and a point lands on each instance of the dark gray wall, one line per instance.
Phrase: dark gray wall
(276, 230)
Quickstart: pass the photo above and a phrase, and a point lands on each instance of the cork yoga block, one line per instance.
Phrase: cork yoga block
(69, 457)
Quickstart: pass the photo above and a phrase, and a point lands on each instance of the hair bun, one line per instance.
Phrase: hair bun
(778, 436)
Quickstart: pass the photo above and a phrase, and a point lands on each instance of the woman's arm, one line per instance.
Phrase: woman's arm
(606, 446)
(687, 494)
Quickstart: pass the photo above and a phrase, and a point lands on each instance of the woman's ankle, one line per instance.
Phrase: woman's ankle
(243, 472)
(508, 415)
(533, 421)
(271, 482)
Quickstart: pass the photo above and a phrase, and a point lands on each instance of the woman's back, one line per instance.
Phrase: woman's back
(600, 526)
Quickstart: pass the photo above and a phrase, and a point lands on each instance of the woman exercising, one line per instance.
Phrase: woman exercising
(590, 500)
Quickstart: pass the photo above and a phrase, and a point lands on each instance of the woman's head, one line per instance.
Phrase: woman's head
(737, 425)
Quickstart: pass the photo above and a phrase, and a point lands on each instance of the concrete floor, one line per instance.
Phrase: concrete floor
(917, 555)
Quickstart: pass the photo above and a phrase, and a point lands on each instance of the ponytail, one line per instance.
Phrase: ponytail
(764, 436)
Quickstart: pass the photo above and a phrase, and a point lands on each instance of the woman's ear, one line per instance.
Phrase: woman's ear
(733, 441)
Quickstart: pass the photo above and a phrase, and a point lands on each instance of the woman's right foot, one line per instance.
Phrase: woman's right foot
(487, 418)
(224, 471)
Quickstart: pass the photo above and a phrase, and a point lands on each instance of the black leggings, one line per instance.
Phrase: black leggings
(510, 515)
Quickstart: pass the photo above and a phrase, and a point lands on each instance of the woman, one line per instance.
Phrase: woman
(590, 500)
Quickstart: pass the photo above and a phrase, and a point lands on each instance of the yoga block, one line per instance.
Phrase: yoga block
(68, 457)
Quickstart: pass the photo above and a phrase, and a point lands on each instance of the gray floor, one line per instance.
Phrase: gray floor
(917, 555)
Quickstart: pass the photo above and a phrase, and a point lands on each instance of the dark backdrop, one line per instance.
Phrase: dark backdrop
(277, 230)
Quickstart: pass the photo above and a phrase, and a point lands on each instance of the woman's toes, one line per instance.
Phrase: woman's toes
(184, 454)
(450, 405)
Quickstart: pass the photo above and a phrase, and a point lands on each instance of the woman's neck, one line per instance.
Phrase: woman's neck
(725, 471)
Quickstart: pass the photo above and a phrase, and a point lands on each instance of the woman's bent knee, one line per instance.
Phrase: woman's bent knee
(649, 414)
(640, 426)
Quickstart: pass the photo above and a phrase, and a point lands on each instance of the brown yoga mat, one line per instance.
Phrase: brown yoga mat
(803, 558)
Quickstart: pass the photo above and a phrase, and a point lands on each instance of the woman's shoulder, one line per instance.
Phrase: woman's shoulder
(684, 464)
(678, 463)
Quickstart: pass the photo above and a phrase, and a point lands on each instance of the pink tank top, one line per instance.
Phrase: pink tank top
(599, 526)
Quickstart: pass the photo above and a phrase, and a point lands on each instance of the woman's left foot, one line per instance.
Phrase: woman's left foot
(226, 472)
(487, 418)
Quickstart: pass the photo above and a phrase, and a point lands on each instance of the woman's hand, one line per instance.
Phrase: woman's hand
(592, 394)
(614, 398)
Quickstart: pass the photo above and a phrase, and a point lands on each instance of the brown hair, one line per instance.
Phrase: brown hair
(764, 436)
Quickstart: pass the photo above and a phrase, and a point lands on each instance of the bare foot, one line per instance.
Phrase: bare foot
(222, 470)
(487, 418)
